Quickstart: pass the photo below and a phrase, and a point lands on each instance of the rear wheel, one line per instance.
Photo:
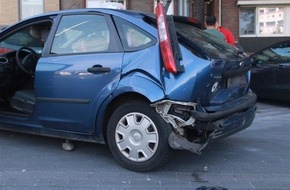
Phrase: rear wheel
(138, 136)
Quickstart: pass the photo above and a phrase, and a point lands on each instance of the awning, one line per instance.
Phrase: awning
(263, 2)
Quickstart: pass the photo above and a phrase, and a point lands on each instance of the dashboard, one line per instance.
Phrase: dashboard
(10, 73)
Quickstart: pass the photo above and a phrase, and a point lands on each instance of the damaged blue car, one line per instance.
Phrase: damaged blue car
(143, 84)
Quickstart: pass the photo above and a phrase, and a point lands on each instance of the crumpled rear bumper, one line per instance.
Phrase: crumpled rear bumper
(230, 118)
(217, 112)
(222, 121)
(234, 123)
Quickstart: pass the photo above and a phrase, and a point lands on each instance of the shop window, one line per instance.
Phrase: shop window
(30, 8)
(264, 21)
(247, 21)
(111, 4)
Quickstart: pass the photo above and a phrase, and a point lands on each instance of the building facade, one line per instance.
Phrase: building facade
(263, 22)
(254, 23)
(14, 10)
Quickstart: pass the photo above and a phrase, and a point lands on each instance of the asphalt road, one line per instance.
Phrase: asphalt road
(256, 158)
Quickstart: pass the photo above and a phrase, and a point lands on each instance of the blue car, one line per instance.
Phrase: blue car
(143, 84)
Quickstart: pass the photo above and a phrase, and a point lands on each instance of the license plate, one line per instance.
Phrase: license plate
(236, 81)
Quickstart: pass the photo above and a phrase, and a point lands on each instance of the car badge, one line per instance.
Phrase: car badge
(214, 87)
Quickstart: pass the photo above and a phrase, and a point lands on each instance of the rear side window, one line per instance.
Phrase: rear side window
(133, 37)
(82, 34)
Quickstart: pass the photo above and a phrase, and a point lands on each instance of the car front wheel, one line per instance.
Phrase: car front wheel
(138, 137)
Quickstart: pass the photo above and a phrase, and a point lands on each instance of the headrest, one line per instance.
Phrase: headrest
(35, 31)
(44, 34)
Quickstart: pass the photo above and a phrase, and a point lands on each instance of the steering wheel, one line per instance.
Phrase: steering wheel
(28, 63)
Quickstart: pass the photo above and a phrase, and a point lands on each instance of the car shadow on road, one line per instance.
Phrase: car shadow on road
(46, 152)
(281, 103)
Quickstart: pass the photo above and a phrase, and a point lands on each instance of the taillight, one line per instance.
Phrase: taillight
(164, 40)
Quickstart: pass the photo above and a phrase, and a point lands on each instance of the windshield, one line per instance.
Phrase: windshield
(214, 47)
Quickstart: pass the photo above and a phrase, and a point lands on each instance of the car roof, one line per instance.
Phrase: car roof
(131, 13)
(121, 13)
(90, 10)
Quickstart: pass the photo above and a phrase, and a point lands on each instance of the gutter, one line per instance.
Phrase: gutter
(220, 12)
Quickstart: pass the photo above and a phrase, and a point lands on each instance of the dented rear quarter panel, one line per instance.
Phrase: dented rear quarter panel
(180, 86)
(204, 80)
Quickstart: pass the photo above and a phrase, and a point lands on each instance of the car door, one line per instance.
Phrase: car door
(282, 59)
(270, 72)
(80, 68)
(264, 78)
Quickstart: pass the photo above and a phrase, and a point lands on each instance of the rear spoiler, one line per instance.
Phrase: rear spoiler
(188, 20)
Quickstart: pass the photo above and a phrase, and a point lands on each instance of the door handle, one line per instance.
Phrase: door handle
(99, 69)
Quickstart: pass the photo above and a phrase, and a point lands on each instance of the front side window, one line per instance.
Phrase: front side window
(81, 34)
(22, 38)
(33, 36)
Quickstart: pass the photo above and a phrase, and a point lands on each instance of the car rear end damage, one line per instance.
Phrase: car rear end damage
(216, 100)
(194, 126)
(227, 108)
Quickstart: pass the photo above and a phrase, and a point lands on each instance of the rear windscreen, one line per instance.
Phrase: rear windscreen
(213, 47)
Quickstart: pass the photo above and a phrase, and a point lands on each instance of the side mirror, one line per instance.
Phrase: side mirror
(257, 63)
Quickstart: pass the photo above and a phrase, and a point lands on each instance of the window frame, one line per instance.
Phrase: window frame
(114, 45)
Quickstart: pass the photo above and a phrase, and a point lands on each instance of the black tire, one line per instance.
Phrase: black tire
(138, 137)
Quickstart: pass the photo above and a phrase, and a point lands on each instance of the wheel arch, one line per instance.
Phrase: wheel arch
(130, 88)
(116, 102)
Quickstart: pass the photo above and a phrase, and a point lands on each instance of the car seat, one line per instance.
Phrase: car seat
(23, 101)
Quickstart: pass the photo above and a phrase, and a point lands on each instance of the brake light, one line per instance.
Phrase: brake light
(164, 40)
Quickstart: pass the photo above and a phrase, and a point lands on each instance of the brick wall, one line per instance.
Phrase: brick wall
(140, 5)
(9, 12)
(51, 5)
(72, 4)
(230, 16)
